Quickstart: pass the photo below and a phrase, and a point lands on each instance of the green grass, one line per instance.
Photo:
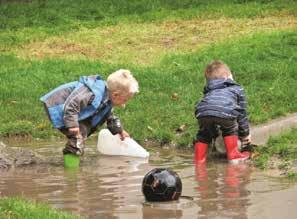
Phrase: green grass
(166, 44)
(16, 208)
(283, 148)
(146, 43)
(102, 29)
(24, 22)
(71, 15)
(264, 64)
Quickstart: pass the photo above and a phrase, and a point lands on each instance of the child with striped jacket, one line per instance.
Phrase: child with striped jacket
(223, 107)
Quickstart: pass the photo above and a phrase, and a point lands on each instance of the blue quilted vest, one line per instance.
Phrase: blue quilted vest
(94, 110)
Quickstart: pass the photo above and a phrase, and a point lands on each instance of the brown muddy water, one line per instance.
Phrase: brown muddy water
(110, 187)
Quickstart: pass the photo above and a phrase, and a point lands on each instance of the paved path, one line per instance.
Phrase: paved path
(261, 133)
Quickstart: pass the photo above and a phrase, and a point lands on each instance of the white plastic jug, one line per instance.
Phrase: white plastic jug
(110, 144)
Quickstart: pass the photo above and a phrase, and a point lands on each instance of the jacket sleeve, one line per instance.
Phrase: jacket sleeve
(114, 124)
(77, 100)
(242, 119)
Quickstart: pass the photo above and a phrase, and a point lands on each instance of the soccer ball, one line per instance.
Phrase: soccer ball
(161, 184)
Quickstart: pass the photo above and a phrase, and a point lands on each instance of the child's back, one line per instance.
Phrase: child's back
(223, 106)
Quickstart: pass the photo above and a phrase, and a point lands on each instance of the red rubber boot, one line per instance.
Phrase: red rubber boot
(233, 155)
(200, 152)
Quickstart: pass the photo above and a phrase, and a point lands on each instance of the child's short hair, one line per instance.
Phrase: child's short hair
(123, 81)
(217, 69)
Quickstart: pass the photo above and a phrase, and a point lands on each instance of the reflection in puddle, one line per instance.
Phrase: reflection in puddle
(110, 187)
(222, 190)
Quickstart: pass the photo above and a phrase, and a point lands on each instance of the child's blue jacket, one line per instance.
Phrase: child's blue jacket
(96, 110)
(224, 98)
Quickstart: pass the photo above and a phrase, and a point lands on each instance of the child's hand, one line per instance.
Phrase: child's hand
(74, 131)
(123, 135)
(246, 140)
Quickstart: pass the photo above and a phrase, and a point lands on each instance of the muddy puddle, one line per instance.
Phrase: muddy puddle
(110, 187)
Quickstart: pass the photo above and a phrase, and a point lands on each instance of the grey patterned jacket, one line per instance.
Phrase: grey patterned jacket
(224, 98)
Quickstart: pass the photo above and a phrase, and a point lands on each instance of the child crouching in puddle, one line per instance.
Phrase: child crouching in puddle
(223, 106)
(78, 108)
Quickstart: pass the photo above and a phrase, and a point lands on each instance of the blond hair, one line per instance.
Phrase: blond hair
(122, 81)
(217, 69)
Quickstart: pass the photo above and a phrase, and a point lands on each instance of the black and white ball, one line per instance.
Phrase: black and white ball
(161, 184)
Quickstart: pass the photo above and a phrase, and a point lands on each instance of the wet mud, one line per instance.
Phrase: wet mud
(110, 186)
(19, 156)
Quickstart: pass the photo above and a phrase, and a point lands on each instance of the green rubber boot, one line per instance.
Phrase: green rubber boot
(71, 160)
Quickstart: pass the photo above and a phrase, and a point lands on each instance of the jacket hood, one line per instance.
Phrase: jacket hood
(96, 85)
(91, 82)
(218, 84)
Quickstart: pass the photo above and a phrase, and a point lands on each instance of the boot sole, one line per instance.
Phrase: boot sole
(237, 161)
